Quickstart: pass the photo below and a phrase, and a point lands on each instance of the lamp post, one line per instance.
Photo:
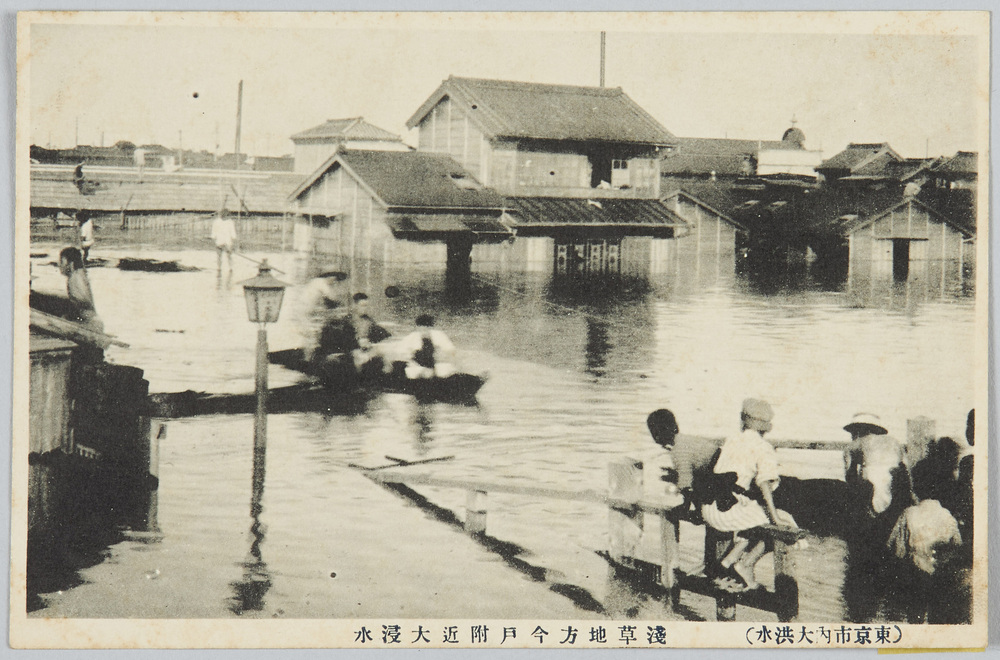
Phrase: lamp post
(263, 297)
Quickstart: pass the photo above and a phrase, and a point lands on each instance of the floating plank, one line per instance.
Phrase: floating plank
(72, 330)
(597, 497)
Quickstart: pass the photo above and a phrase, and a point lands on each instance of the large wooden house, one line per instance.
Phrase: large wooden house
(579, 167)
(369, 209)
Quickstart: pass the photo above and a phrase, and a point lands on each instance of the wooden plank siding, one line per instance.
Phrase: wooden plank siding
(524, 167)
(48, 393)
(935, 248)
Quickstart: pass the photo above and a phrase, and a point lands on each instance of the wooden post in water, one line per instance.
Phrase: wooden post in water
(920, 432)
(475, 512)
(624, 485)
(786, 589)
(670, 560)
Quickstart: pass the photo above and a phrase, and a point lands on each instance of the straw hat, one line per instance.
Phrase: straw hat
(866, 424)
(758, 414)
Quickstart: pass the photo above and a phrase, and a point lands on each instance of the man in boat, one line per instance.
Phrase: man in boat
(368, 355)
(429, 352)
(224, 236)
(78, 289)
(321, 302)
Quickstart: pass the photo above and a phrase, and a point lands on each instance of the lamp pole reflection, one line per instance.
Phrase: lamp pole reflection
(263, 295)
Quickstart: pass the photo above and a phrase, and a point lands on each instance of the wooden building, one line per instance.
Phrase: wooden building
(374, 209)
(708, 244)
(315, 145)
(859, 162)
(579, 167)
(906, 241)
(531, 139)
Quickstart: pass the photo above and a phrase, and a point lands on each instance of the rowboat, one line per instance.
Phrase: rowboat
(339, 374)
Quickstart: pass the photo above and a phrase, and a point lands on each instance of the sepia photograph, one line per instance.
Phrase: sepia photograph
(511, 330)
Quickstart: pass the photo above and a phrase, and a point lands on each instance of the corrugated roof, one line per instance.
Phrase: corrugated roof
(410, 179)
(857, 155)
(503, 108)
(634, 215)
(962, 163)
(111, 190)
(351, 128)
(437, 227)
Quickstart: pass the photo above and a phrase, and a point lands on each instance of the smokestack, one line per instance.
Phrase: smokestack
(239, 121)
(603, 36)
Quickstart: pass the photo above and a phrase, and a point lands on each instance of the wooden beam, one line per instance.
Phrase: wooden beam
(72, 330)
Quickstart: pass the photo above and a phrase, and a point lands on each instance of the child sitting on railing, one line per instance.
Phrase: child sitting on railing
(738, 495)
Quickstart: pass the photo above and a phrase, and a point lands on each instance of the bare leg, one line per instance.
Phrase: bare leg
(744, 567)
(735, 552)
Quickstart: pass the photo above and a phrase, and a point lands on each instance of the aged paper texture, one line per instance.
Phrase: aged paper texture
(507, 330)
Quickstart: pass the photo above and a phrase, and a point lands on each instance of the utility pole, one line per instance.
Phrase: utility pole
(603, 36)
(239, 121)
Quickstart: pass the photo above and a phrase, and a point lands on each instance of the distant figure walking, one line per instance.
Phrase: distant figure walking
(86, 234)
(78, 289)
(429, 351)
(224, 235)
(740, 494)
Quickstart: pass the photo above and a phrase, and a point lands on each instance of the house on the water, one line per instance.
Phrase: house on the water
(375, 210)
(707, 248)
(315, 145)
(578, 166)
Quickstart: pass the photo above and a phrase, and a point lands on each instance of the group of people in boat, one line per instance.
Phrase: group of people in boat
(340, 335)
(908, 522)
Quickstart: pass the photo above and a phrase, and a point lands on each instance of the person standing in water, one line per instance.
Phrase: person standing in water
(224, 236)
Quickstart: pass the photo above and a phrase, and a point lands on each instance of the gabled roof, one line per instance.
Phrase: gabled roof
(862, 221)
(713, 199)
(857, 155)
(963, 163)
(351, 128)
(503, 108)
(409, 179)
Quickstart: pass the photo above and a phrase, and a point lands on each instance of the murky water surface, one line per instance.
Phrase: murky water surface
(571, 380)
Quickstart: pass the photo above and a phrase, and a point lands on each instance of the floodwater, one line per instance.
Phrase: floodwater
(572, 377)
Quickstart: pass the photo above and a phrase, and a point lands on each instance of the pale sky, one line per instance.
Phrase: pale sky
(139, 83)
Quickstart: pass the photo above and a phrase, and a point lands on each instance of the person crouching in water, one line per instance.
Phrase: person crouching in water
(740, 495)
(430, 354)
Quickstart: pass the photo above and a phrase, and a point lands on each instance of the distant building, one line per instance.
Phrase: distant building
(708, 245)
(315, 145)
(959, 172)
(723, 158)
(859, 162)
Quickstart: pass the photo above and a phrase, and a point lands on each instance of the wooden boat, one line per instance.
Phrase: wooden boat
(339, 374)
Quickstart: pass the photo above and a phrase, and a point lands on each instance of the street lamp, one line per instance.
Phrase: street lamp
(263, 296)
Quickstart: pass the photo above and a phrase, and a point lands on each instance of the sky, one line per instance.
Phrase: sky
(177, 84)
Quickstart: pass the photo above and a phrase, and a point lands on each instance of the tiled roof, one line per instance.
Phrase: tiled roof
(714, 198)
(551, 112)
(962, 163)
(436, 227)
(633, 215)
(410, 179)
(202, 191)
(857, 155)
(353, 128)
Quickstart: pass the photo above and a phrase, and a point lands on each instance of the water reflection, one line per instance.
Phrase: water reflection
(249, 592)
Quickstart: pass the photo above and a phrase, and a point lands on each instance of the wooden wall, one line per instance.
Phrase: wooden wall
(48, 396)
(932, 242)
(447, 129)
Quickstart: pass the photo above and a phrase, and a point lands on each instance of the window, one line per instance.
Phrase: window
(618, 164)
